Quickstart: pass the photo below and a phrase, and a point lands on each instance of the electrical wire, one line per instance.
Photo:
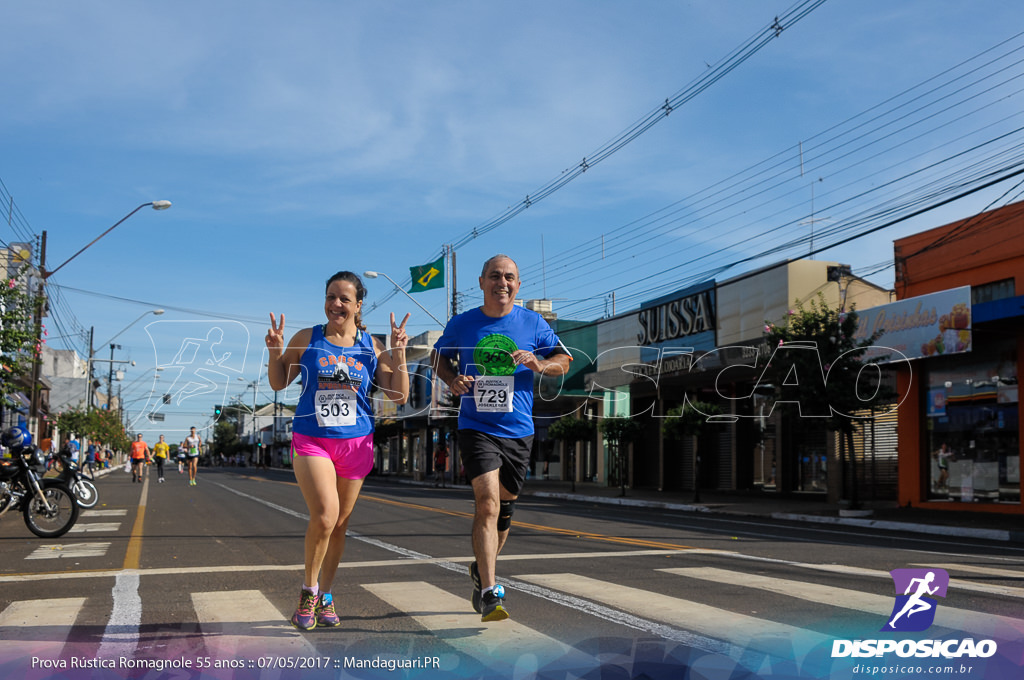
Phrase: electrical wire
(711, 76)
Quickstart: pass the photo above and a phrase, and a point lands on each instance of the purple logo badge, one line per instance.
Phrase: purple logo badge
(915, 605)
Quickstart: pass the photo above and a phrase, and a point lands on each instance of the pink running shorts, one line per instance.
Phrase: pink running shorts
(352, 458)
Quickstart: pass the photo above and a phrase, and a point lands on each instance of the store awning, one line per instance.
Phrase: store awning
(998, 310)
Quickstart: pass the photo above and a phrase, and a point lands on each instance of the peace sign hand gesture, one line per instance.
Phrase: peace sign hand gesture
(399, 338)
(275, 336)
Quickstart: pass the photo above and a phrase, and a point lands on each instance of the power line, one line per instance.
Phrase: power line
(711, 76)
(999, 151)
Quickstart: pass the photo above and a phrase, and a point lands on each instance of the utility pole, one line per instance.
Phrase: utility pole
(455, 288)
(88, 373)
(37, 365)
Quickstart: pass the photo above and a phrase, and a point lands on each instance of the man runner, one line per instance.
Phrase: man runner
(193, 449)
(140, 456)
(499, 346)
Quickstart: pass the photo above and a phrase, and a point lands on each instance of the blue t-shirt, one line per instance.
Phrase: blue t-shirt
(501, 401)
(336, 382)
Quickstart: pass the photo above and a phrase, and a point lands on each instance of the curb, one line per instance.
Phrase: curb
(934, 529)
(884, 525)
(931, 529)
(618, 500)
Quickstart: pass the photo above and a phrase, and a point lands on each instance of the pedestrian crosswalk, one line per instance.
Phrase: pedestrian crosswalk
(248, 624)
(73, 547)
(447, 614)
(227, 637)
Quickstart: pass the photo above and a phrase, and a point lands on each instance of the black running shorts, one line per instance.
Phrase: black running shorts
(482, 453)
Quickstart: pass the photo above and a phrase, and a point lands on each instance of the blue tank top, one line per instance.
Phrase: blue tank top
(336, 382)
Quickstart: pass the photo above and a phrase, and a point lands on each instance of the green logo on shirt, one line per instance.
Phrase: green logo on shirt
(493, 354)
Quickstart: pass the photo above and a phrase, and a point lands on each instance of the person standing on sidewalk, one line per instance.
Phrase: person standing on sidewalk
(440, 464)
(193, 449)
(161, 450)
(332, 430)
(91, 451)
(499, 347)
(140, 456)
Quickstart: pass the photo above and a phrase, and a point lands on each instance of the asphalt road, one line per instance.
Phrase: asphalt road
(168, 580)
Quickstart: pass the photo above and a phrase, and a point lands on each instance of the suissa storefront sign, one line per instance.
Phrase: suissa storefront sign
(676, 319)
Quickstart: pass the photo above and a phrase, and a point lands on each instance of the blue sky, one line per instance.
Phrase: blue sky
(298, 140)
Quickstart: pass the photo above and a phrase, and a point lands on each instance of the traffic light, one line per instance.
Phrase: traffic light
(216, 410)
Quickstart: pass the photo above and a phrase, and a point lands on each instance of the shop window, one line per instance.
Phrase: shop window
(973, 427)
(997, 290)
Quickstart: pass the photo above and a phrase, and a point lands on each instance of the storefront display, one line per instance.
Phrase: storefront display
(972, 421)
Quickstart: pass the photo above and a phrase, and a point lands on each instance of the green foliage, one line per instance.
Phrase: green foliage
(18, 334)
(687, 420)
(104, 426)
(621, 430)
(571, 429)
(848, 387)
(225, 438)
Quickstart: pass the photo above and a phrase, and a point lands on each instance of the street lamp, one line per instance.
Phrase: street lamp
(157, 205)
(44, 275)
(373, 275)
(255, 423)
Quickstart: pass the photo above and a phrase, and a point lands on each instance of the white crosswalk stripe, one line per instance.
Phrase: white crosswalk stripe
(122, 512)
(747, 632)
(983, 625)
(94, 527)
(231, 631)
(65, 551)
(37, 628)
(449, 618)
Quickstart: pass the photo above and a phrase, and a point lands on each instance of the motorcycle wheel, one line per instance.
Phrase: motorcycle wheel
(85, 493)
(56, 521)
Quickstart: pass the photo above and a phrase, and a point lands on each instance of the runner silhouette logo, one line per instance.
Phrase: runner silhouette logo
(916, 590)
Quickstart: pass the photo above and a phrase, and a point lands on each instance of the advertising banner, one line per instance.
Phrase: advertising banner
(924, 326)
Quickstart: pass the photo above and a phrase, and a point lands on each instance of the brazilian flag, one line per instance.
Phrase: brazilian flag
(427, 276)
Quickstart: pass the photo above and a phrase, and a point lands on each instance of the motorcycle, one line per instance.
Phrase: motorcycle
(48, 505)
(71, 475)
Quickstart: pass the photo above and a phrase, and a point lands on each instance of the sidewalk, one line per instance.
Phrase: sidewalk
(884, 515)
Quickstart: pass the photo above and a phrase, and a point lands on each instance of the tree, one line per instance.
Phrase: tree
(570, 430)
(95, 424)
(225, 438)
(833, 381)
(620, 432)
(687, 421)
(18, 342)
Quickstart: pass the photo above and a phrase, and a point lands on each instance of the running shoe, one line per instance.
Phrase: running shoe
(304, 617)
(492, 605)
(325, 614)
(474, 574)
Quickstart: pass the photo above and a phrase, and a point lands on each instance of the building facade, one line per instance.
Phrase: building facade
(959, 422)
(702, 344)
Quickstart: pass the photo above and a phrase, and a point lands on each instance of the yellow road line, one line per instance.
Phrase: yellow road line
(133, 553)
(536, 527)
(540, 527)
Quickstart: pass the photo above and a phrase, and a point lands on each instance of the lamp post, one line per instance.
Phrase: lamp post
(110, 374)
(256, 439)
(44, 275)
(373, 275)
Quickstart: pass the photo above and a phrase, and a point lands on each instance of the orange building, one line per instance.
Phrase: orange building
(959, 432)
